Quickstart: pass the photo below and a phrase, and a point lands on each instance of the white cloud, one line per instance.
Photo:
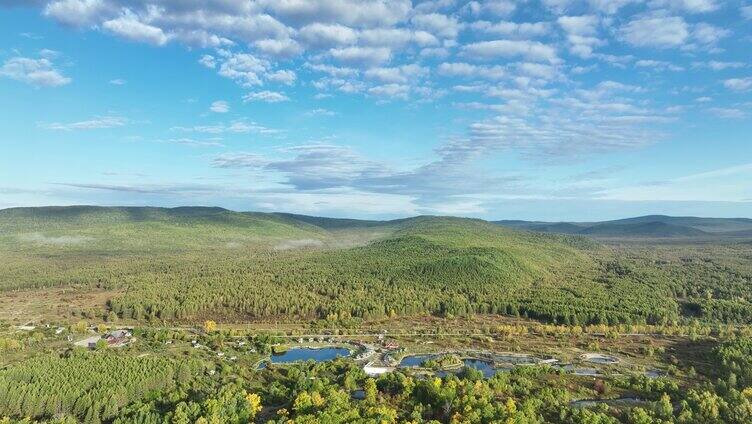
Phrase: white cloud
(581, 34)
(320, 112)
(659, 65)
(512, 29)
(193, 143)
(348, 12)
(466, 70)
(708, 34)
(245, 69)
(36, 72)
(396, 38)
(117, 81)
(283, 76)
(580, 25)
(720, 66)
(438, 24)
(78, 13)
(320, 35)
(399, 91)
(362, 56)
(492, 7)
(728, 112)
(400, 74)
(690, 6)
(284, 48)
(738, 84)
(90, 124)
(266, 96)
(530, 50)
(128, 26)
(655, 31)
(236, 127)
(219, 106)
(208, 60)
(335, 71)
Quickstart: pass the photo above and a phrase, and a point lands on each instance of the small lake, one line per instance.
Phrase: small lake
(302, 354)
(484, 367)
(413, 361)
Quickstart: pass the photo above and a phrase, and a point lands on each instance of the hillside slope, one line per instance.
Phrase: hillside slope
(640, 229)
(649, 226)
(140, 229)
(190, 264)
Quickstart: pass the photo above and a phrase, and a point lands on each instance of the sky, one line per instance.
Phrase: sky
(532, 109)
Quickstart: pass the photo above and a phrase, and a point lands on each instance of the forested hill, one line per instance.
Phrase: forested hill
(146, 228)
(187, 264)
(649, 226)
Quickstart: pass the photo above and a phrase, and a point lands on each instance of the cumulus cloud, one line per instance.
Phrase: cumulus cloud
(494, 8)
(709, 35)
(581, 34)
(738, 84)
(361, 56)
(530, 50)
(219, 106)
(79, 13)
(519, 75)
(466, 70)
(512, 29)
(320, 35)
(655, 31)
(265, 96)
(284, 48)
(348, 12)
(399, 74)
(37, 72)
(129, 27)
(690, 6)
(438, 24)
(719, 65)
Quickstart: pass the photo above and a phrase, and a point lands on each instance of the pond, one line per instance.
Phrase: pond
(484, 367)
(413, 361)
(302, 354)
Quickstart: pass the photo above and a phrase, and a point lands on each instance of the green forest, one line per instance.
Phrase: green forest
(94, 387)
(188, 264)
(617, 330)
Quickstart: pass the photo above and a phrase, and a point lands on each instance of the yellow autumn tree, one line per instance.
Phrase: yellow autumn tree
(254, 403)
(210, 326)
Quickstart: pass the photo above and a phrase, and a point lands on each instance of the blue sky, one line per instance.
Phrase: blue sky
(538, 109)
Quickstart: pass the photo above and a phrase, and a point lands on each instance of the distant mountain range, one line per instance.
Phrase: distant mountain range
(287, 224)
(649, 226)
